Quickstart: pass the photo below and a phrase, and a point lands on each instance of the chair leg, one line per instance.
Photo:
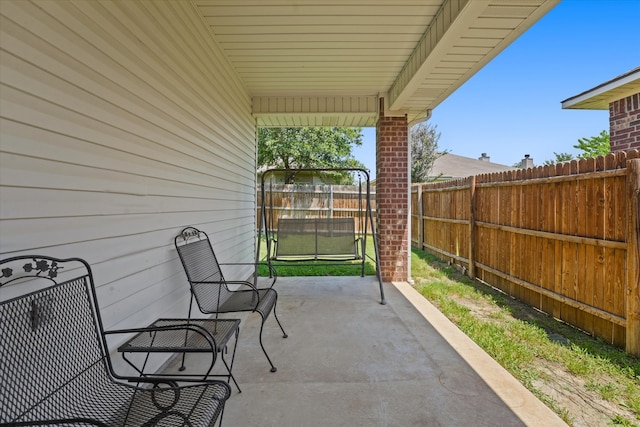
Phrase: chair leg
(220, 417)
(186, 333)
(273, 368)
(264, 319)
(284, 334)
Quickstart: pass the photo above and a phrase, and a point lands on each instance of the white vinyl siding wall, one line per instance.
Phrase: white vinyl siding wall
(121, 123)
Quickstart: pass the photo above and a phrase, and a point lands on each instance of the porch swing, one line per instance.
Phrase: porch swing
(317, 235)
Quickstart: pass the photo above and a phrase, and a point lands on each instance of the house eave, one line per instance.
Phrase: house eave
(599, 97)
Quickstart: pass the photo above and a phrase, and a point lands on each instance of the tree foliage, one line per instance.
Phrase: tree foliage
(595, 146)
(308, 147)
(559, 158)
(423, 138)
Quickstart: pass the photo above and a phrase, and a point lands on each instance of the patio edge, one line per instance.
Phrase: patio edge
(518, 398)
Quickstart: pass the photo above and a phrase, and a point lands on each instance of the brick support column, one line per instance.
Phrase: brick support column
(392, 196)
(624, 121)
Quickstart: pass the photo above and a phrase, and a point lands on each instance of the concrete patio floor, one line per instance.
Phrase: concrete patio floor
(350, 361)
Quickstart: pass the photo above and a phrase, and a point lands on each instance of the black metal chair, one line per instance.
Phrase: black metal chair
(212, 291)
(55, 367)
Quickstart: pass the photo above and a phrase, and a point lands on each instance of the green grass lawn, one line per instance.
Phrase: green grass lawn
(578, 376)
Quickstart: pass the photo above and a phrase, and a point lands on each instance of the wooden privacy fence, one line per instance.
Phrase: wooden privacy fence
(316, 201)
(562, 238)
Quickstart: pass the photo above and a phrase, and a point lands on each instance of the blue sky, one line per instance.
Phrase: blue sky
(511, 107)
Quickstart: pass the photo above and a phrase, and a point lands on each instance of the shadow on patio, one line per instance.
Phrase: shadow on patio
(350, 361)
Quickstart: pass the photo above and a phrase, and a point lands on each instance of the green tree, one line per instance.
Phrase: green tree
(595, 146)
(423, 138)
(308, 147)
(560, 157)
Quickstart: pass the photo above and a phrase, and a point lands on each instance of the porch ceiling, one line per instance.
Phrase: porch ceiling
(321, 62)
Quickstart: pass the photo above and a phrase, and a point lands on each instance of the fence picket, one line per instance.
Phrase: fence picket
(556, 237)
(587, 228)
(633, 256)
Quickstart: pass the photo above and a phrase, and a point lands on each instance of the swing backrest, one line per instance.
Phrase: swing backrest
(317, 238)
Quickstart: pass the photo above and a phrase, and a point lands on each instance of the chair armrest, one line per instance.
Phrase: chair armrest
(221, 385)
(243, 283)
(250, 285)
(172, 382)
(59, 421)
(273, 274)
(226, 282)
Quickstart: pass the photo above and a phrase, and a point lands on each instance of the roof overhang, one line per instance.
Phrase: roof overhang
(318, 63)
(602, 95)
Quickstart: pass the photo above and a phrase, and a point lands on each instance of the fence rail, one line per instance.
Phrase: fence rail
(562, 238)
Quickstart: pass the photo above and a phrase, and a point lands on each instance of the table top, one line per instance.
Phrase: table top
(182, 340)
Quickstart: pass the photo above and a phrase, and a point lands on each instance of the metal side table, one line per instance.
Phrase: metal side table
(181, 340)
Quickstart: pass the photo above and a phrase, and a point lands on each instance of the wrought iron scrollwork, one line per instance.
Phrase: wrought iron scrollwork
(37, 268)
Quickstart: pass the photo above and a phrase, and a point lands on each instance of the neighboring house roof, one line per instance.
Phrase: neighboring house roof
(452, 166)
(602, 95)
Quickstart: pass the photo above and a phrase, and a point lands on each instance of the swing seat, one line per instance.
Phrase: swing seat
(318, 239)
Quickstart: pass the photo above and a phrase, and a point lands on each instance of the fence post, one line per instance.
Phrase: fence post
(330, 200)
(420, 218)
(633, 257)
(472, 227)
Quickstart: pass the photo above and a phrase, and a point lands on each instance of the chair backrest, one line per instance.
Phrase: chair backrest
(203, 271)
(50, 332)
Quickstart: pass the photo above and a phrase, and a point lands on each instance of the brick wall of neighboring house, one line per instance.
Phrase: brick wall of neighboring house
(392, 196)
(624, 121)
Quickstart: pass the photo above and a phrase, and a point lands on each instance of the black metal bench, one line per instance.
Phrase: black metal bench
(54, 360)
(328, 239)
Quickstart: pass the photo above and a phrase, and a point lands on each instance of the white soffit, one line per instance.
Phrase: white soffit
(602, 95)
(413, 53)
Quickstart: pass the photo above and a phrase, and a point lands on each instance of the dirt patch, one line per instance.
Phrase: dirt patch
(569, 393)
(585, 408)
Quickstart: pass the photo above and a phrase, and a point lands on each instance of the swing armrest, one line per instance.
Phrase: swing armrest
(272, 248)
(358, 242)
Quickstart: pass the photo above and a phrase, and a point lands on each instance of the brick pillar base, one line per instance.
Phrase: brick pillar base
(392, 196)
